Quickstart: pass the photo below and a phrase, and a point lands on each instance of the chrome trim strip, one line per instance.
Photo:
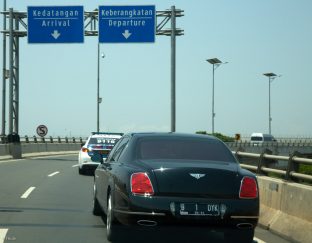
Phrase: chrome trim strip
(244, 217)
(139, 213)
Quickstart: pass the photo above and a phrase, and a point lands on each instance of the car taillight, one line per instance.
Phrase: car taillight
(248, 188)
(141, 184)
(85, 150)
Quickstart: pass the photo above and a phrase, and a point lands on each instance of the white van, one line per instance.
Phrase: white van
(259, 138)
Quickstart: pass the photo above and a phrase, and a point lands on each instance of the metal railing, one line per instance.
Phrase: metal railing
(279, 143)
(35, 139)
(264, 160)
(50, 139)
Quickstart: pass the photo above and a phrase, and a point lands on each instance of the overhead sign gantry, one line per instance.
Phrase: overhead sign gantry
(69, 24)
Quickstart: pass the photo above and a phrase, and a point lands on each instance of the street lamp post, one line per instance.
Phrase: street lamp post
(271, 77)
(99, 99)
(215, 64)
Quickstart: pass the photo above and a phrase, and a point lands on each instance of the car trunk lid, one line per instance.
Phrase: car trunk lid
(202, 178)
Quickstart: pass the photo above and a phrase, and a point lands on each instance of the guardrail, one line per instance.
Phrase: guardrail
(50, 139)
(264, 160)
(284, 139)
(34, 139)
(278, 143)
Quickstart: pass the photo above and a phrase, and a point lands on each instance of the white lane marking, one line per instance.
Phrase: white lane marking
(3, 233)
(258, 240)
(75, 165)
(53, 174)
(27, 193)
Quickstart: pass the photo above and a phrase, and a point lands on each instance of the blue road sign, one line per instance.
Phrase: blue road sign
(55, 24)
(127, 24)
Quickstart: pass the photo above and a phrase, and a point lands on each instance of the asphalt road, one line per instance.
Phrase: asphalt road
(46, 200)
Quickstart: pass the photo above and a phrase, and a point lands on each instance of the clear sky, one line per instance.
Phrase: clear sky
(58, 81)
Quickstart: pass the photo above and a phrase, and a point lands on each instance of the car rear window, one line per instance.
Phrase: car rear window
(256, 138)
(185, 149)
(106, 141)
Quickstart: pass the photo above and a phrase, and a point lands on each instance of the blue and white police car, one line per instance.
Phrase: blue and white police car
(100, 142)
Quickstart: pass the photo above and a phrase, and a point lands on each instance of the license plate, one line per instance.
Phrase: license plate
(199, 209)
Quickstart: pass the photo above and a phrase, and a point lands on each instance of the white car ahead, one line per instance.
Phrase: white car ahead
(100, 142)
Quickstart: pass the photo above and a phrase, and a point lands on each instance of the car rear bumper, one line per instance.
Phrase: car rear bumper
(89, 165)
(162, 219)
(156, 211)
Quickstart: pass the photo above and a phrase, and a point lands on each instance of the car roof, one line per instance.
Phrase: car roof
(106, 136)
(171, 134)
(259, 134)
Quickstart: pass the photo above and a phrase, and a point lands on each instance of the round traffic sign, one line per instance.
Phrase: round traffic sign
(42, 130)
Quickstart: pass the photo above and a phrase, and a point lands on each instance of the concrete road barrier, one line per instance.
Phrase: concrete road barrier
(286, 208)
(12, 150)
